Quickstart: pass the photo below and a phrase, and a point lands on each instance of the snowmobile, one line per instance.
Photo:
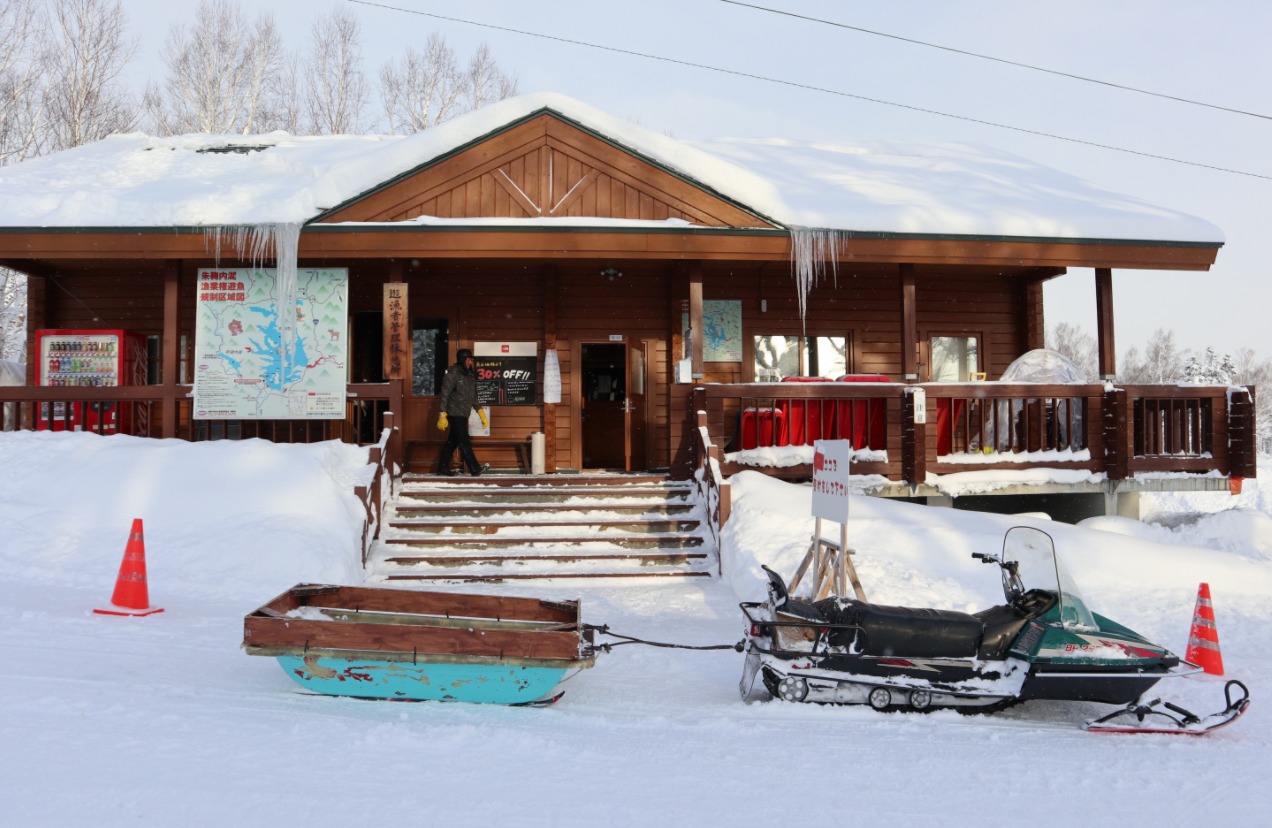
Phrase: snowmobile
(1043, 643)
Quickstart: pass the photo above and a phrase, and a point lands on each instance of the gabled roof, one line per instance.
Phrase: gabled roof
(932, 190)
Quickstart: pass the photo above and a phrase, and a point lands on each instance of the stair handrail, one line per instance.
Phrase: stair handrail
(712, 489)
(384, 463)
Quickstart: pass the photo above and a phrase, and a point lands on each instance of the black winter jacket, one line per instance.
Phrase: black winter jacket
(459, 392)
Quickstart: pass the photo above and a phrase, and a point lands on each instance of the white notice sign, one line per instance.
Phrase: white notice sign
(830, 479)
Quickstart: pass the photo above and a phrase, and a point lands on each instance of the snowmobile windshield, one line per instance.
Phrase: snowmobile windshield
(1039, 568)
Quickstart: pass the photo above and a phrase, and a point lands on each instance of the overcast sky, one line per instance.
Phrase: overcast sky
(1216, 53)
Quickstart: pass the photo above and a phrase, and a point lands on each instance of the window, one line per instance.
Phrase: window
(776, 357)
(954, 358)
(827, 356)
(795, 356)
(429, 342)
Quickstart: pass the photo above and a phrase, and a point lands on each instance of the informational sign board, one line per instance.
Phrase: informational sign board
(830, 479)
(506, 372)
(551, 376)
(256, 359)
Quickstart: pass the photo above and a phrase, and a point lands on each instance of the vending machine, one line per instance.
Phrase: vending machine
(93, 359)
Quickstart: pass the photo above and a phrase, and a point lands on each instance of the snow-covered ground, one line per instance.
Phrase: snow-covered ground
(163, 720)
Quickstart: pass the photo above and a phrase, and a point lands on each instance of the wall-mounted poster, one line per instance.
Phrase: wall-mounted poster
(506, 372)
(256, 359)
(721, 330)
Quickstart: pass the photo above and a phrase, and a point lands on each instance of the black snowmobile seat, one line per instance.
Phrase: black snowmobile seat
(914, 632)
(1004, 623)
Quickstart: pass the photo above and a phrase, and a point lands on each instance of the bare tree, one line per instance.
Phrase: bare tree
(425, 88)
(335, 85)
(219, 72)
(22, 37)
(13, 294)
(1077, 345)
(88, 51)
(1162, 361)
(486, 82)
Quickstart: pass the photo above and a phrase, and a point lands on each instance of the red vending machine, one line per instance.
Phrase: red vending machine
(93, 359)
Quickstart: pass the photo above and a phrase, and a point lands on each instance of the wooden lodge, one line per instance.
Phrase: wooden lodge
(683, 289)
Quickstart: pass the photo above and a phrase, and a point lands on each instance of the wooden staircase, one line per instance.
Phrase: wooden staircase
(502, 527)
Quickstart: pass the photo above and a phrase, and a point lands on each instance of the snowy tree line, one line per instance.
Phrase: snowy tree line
(1163, 361)
(62, 65)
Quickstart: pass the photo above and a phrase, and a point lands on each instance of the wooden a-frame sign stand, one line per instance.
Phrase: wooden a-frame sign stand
(830, 562)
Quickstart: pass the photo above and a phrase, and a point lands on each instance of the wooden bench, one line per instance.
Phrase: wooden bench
(423, 453)
(520, 447)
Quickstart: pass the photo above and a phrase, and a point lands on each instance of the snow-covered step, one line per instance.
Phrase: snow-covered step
(441, 529)
(515, 525)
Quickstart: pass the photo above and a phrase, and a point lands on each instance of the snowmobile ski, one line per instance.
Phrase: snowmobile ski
(1173, 720)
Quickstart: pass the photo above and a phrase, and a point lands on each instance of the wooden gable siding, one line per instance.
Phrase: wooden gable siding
(545, 168)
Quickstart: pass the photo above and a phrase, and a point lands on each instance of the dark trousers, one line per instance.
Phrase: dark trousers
(457, 438)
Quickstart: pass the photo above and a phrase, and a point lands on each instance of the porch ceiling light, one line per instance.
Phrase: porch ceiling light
(611, 273)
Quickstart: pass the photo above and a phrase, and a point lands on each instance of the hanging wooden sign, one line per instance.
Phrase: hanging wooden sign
(397, 331)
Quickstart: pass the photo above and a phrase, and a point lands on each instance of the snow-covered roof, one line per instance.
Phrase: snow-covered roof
(246, 180)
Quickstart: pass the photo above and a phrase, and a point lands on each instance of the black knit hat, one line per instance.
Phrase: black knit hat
(462, 354)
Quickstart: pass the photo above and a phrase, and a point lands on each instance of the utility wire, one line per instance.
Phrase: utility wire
(997, 59)
(809, 87)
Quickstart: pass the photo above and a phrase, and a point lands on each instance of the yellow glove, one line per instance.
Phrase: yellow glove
(481, 413)
(442, 422)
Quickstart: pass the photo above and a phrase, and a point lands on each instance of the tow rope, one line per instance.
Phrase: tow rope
(604, 629)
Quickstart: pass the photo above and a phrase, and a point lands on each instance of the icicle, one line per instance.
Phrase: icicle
(811, 248)
(256, 244)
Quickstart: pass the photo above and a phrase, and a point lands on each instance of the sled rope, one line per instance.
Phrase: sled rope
(604, 629)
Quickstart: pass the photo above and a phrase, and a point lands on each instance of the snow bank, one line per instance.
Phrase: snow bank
(241, 520)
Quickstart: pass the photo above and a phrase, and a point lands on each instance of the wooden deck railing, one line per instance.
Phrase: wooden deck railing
(1118, 431)
(137, 410)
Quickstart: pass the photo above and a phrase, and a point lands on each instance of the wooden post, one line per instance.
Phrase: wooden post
(695, 318)
(550, 294)
(1242, 448)
(909, 326)
(1104, 322)
(1035, 318)
(1119, 442)
(171, 346)
(913, 444)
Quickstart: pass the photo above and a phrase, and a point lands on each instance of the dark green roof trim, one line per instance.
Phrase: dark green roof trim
(375, 227)
(547, 110)
(394, 227)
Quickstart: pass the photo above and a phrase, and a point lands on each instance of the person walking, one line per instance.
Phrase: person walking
(458, 397)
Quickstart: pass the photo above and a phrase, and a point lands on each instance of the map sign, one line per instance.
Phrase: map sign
(253, 362)
(721, 330)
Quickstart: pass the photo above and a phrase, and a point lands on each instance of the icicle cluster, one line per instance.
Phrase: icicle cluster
(811, 248)
(255, 244)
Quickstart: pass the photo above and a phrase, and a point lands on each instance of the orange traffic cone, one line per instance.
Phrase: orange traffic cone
(131, 595)
(1203, 638)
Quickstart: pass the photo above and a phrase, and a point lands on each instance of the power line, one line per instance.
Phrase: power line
(809, 87)
(998, 59)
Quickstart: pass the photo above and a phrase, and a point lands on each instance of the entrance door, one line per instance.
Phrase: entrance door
(603, 417)
(613, 380)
